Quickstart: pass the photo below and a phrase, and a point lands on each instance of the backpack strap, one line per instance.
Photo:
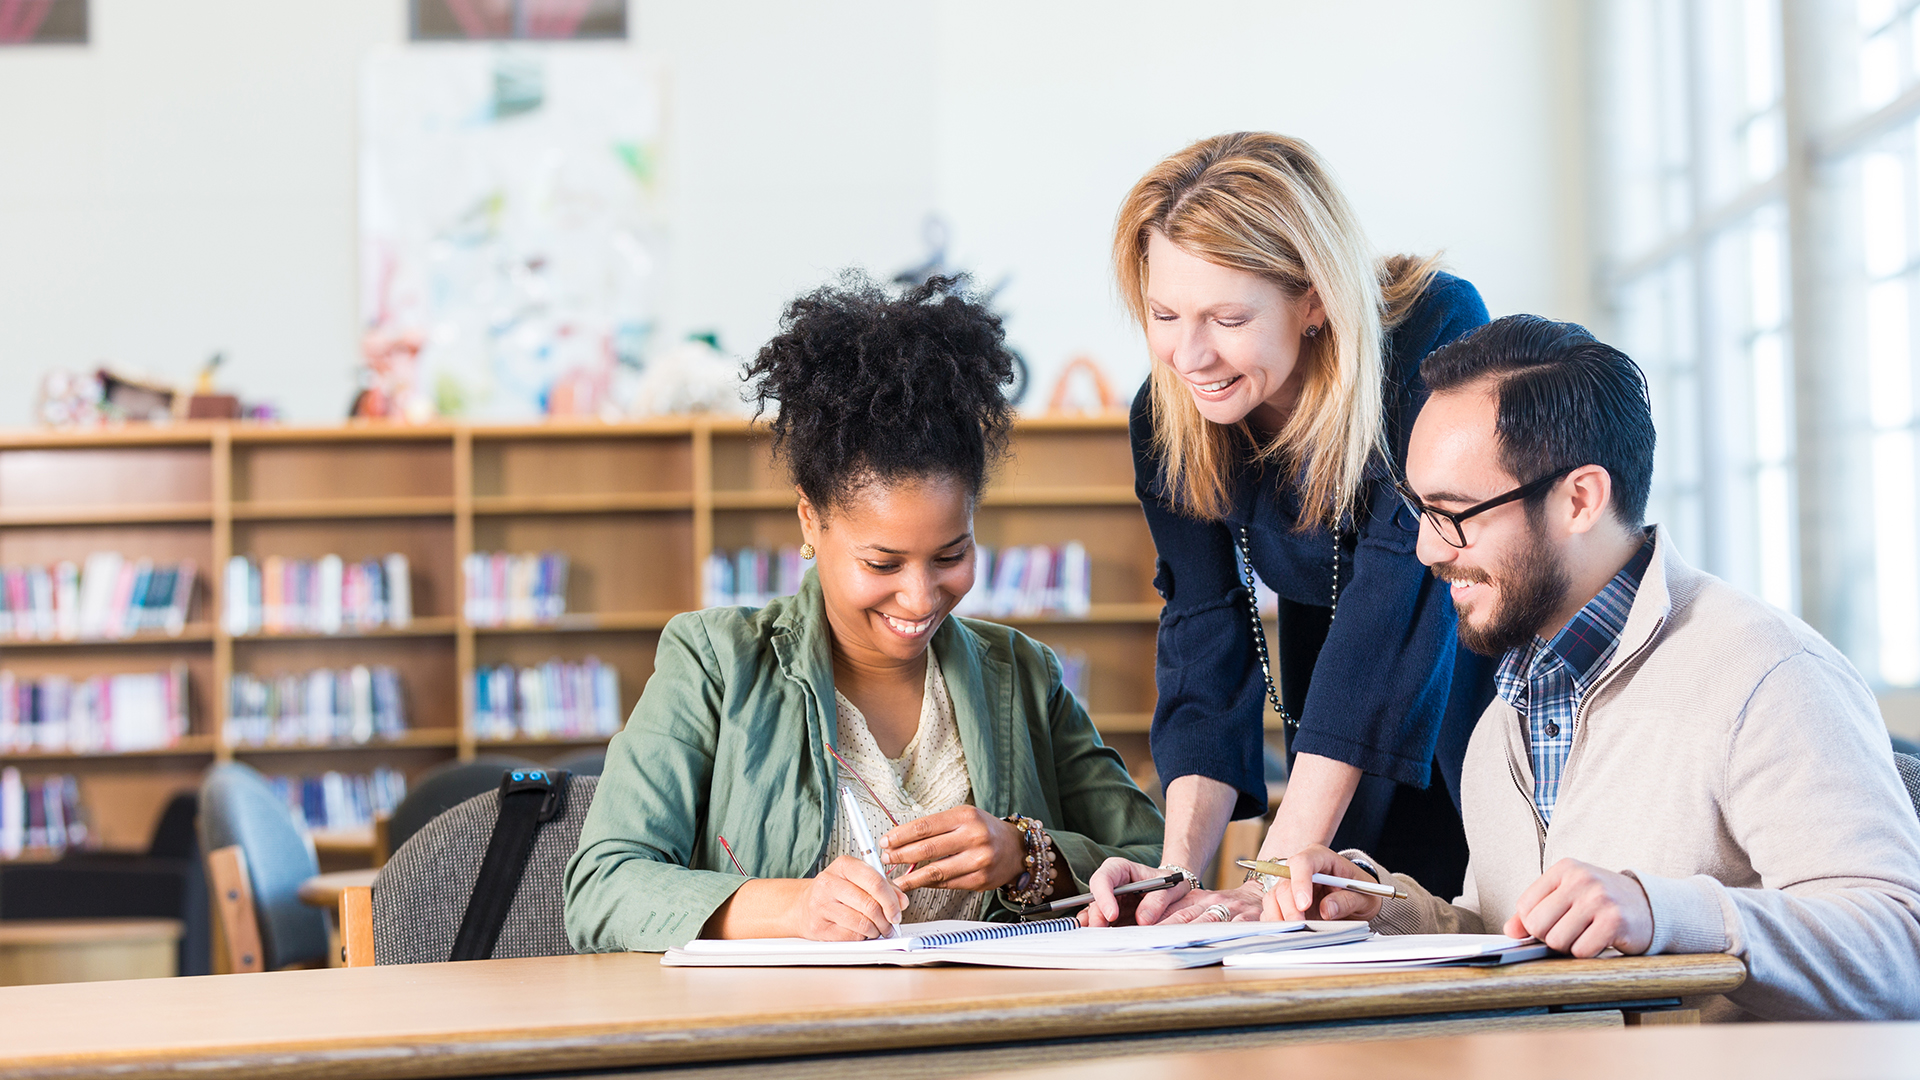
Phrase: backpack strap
(528, 797)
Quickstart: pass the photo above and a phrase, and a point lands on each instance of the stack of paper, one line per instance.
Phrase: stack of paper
(1384, 952)
(1054, 943)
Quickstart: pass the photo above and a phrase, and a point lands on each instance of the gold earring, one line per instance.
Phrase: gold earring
(806, 551)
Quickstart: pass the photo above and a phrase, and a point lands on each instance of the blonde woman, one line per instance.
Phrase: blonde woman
(1286, 362)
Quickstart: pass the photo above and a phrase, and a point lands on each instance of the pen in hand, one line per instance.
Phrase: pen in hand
(863, 836)
(1279, 869)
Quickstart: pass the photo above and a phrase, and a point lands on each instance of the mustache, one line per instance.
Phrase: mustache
(1470, 575)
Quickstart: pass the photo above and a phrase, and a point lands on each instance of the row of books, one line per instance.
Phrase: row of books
(320, 708)
(750, 576)
(1024, 581)
(108, 596)
(40, 814)
(334, 801)
(503, 589)
(101, 713)
(328, 595)
(555, 700)
(1029, 581)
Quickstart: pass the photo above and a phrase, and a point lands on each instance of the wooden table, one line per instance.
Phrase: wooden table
(611, 1011)
(85, 950)
(323, 890)
(1748, 1051)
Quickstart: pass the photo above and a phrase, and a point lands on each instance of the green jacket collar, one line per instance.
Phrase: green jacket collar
(979, 681)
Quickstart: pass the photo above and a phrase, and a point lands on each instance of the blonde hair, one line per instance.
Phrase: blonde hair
(1267, 205)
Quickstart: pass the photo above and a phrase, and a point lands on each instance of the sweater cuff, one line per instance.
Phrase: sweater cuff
(1395, 916)
(1687, 917)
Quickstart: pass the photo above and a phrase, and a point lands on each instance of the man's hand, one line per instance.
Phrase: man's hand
(962, 848)
(1299, 898)
(1581, 909)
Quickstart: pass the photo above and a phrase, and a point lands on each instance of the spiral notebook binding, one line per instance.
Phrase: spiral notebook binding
(994, 933)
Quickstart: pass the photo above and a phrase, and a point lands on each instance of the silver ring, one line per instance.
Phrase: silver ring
(1218, 911)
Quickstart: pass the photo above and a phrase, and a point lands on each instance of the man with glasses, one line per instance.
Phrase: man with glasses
(1671, 765)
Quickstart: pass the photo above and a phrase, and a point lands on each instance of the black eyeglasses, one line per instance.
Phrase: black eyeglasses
(1450, 523)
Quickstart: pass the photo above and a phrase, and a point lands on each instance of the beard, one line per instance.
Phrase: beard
(1530, 587)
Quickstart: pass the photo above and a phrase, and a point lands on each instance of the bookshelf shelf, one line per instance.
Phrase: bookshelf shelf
(637, 507)
(428, 627)
(201, 513)
(623, 503)
(189, 746)
(586, 623)
(415, 739)
(532, 742)
(324, 509)
(775, 499)
(1099, 614)
(192, 634)
(1100, 495)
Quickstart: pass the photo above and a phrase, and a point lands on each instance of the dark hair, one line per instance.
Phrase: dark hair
(877, 387)
(1565, 400)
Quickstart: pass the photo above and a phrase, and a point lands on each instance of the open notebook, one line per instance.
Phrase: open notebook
(1394, 952)
(1053, 943)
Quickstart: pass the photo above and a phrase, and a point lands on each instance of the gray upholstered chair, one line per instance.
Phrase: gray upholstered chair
(421, 893)
(438, 790)
(256, 859)
(1909, 767)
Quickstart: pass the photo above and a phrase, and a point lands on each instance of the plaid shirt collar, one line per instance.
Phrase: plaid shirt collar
(1586, 643)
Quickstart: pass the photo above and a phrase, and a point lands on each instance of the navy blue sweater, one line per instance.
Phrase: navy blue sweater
(1378, 687)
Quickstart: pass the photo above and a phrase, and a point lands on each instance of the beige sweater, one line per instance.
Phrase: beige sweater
(1736, 765)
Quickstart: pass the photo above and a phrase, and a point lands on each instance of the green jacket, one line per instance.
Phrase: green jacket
(730, 739)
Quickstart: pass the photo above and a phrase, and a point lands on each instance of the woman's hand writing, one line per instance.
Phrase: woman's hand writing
(849, 901)
(962, 848)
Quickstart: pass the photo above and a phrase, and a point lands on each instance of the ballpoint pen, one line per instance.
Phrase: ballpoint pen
(863, 836)
(1135, 889)
(1279, 869)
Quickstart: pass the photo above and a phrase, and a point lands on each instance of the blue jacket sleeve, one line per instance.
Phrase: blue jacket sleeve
(1207, 718)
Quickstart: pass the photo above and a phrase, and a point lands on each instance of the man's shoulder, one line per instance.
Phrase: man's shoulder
(1720, 643)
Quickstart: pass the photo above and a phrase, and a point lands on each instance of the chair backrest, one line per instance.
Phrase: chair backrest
(238, 809)
(444, 787)
(422, 892)
(1909, 767)
(173, 837)
(584, 763)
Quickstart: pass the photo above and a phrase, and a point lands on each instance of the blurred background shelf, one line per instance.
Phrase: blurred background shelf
(636, 508)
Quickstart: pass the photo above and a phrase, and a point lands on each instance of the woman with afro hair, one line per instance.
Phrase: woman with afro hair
(721, 813)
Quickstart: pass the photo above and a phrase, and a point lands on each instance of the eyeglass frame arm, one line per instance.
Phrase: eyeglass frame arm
(1458, 518)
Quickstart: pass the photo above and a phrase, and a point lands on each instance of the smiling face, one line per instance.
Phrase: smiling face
(1510, 581)
(893, 561)
(1232, 337)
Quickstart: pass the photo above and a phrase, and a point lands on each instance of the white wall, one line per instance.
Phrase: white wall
(186, 182)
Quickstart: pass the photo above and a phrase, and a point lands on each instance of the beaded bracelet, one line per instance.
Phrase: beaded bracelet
(1035, 882)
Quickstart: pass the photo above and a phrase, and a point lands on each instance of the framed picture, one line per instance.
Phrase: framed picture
(516, 20)
(43, 22)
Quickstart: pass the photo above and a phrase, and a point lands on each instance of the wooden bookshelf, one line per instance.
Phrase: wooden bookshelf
(637, 508)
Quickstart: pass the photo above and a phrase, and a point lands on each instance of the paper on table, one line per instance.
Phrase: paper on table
(911, 937)
(1399, 950)
(1067, 945)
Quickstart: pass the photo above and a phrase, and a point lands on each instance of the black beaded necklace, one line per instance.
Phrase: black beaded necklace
(1245, 546)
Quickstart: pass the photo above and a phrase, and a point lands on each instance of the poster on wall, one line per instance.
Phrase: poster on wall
(525, 20)
(511, 230)
(43, 22)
